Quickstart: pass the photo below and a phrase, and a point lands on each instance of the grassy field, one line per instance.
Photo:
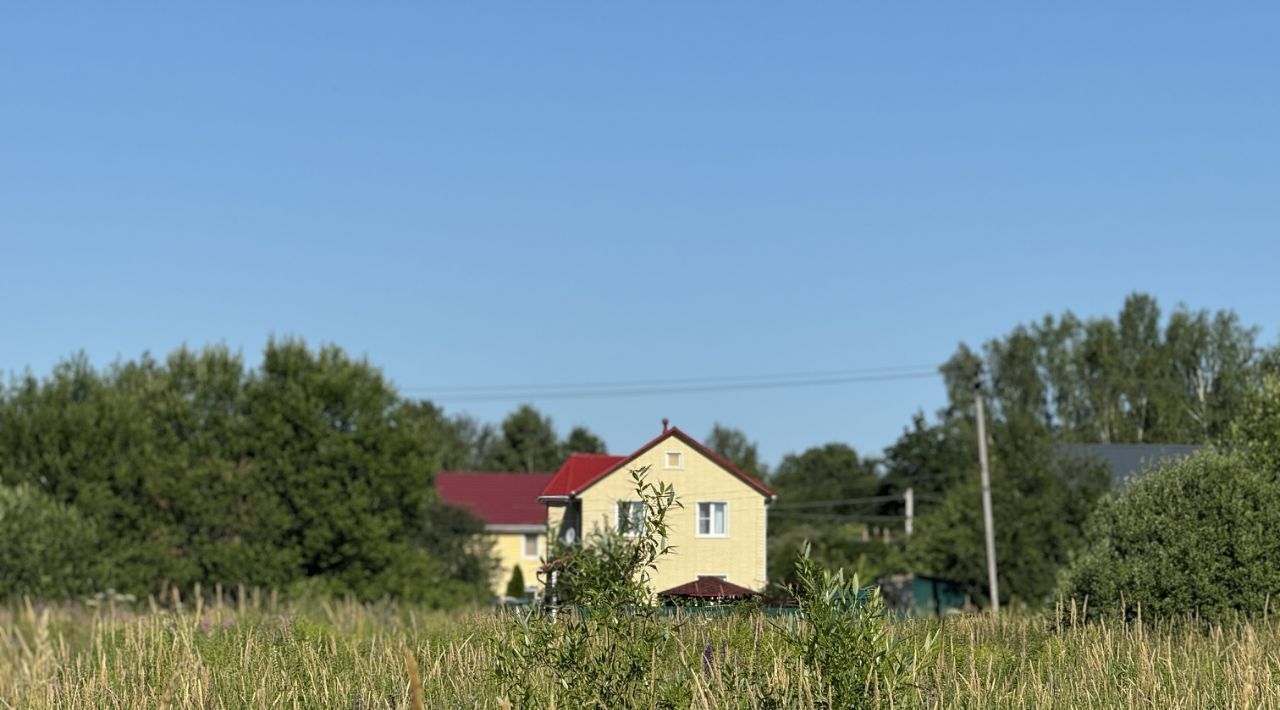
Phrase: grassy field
(343, 655)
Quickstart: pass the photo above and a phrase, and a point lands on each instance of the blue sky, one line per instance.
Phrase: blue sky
(525, 193)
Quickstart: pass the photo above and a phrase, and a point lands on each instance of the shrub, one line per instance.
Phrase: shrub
(47, 549)
(515, 586)
(607, 651)
(1193, 537)
(845, 639)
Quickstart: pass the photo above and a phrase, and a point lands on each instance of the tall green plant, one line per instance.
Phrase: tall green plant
(845, 639)
(605, 649)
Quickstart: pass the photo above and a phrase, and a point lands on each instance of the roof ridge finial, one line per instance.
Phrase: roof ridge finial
(665, 425)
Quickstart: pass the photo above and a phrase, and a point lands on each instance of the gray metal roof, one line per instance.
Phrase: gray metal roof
(1126, 460)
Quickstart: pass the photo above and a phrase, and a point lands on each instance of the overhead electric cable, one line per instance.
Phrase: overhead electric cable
(704, 379)
(640, 389)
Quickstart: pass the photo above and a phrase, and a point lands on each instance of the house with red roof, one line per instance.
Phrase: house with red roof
(718, 534)
(515, 522)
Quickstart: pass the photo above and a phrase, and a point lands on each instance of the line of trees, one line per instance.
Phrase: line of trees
(308, 473)
(1134, 378)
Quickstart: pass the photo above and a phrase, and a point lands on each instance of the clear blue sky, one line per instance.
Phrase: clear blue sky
(486, 193)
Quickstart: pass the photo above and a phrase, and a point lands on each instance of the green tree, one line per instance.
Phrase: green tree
(451, 442)
(1257, 429)
(197, 469)
(47, 549)
(1040, 503)
(527, 442)
(928, 458)
(1131, 378)
(515, 585)
(736, 448)
(827, 498)
(1195, 536)
(582, 441)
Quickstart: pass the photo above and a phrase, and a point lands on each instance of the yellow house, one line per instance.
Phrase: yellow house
(515, 523)
(719, 534)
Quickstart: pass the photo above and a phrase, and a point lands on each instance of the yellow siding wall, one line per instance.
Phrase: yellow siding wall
(508, 550)
(739, 557)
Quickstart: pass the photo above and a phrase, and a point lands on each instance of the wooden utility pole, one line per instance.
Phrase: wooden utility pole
(987, 519)
(909, 498)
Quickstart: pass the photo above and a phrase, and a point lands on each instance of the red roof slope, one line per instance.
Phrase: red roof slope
(708, 588)
(572, 480)
(578, 472)
(496, 498)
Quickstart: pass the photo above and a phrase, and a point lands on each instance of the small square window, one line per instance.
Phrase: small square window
(674, 460)
(631, 517)
(531, 545)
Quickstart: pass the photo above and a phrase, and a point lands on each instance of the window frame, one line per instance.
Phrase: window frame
(617, 517)
(666, 461)
(524, 546)
(711, 519)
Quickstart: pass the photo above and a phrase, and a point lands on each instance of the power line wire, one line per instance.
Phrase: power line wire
(703, 379)
(646, 390)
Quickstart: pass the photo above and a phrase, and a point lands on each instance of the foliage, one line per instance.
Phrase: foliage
(1040, 503)
(1127, 379)
(818, 492)
(515, 585)
(582, 441)
(833, 472)
(1257, 429)
(605, 652)
(929, 458)
(340, 654)
(47, 549)
(1133, 378)
(1195, 536)
(846, 639)
(836, 546)
(527, 441)
(735, 447)
(199, 470)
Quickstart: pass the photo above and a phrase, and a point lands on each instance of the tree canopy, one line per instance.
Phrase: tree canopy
(737, 448)
(198, 469)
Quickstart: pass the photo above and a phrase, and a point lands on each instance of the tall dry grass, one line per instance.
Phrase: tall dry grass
(345, 655)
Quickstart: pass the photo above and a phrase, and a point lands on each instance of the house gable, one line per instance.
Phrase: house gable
(576, 477)
(718, 531)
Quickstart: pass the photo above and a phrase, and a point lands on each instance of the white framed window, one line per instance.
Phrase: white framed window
(532, 545)
(713, 519)
(631, 517)
(673, 460)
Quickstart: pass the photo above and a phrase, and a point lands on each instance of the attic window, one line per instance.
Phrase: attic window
(673, 460)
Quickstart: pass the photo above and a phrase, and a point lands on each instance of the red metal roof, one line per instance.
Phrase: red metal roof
(574, 477)
(496, 498)
(578, 472)
(708, 588)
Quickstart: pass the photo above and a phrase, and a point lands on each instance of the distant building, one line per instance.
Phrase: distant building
(1126, 461)
(514, 521)
(719, 534)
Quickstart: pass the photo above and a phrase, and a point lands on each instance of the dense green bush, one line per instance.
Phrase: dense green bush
(47, 549)
(308, 471)
(1193, 537)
